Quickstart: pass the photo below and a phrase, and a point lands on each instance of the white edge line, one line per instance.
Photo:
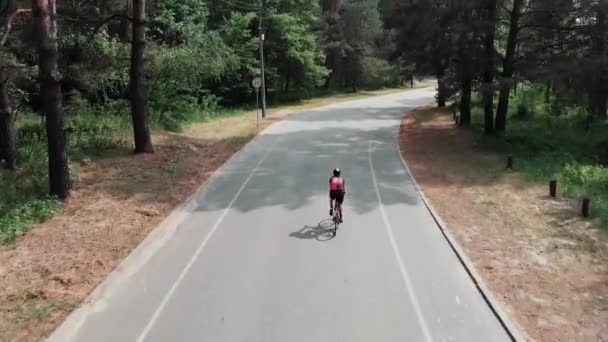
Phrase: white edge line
(196, 254)
(155, 240)
(406, 279)
(513, 330)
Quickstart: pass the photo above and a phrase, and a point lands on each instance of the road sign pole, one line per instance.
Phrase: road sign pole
(257, 108)
(257, 83)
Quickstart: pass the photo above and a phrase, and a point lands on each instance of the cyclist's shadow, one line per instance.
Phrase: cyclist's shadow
(323, 231)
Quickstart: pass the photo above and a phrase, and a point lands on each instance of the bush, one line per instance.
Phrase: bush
(173, 115)
(24, 199)
(14, 221)
(523, 112)
(546, 146)
(588, 181)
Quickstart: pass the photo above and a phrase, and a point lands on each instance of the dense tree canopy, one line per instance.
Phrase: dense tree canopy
(170, 62)
(560, 43)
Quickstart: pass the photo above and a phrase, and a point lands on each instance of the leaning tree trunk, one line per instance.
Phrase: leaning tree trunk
(465, 101)
(508, 68)
(8, 136)
(466, 73)
(45, 29)
(141, 131)
(598, 94)
(126, 28)
(488, 73)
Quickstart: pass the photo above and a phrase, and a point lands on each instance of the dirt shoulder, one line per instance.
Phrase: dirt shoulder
(547, 266)
(118, 200)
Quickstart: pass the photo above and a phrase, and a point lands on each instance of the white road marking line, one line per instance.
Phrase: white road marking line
(458, 300)
(404, 274)
(196, 254)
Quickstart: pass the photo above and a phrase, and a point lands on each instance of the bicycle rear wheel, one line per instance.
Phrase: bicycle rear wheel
(336, 218)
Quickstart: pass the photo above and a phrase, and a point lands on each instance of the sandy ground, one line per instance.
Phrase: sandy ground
(548, 266)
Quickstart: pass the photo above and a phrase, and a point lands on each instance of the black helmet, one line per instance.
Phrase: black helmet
(336, 172)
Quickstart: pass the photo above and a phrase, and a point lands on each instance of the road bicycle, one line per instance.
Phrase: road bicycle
(337, 216)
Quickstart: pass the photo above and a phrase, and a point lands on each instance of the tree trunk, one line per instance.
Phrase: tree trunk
(465, 102)
(8, 136)
(143, 142)
(548, 92)
(441, 88)
(45, 28)
(287, 80)
(488, 73)
(508, 68)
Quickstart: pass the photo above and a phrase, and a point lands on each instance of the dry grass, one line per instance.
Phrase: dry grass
(118, 201)
(548, 266)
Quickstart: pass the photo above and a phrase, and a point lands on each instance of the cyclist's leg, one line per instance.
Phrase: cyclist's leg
(331, 204)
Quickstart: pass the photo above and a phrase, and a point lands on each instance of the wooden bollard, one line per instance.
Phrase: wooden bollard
(510, 162)
(586, 207)
(553, 188)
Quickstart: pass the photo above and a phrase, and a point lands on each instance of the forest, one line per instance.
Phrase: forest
(75, 76)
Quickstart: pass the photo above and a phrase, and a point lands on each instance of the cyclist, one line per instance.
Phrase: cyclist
(337, 190)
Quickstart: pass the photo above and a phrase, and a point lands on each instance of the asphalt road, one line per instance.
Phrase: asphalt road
(251, 257)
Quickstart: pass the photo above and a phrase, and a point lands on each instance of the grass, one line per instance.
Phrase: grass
(547, 145)
(425, 116)
(39, 309)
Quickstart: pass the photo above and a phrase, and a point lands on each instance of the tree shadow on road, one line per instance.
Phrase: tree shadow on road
(323, 231)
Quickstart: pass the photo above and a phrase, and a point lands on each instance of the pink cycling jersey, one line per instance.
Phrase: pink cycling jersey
(337, 183)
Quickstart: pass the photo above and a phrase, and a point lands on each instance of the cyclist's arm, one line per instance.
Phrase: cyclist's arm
(344, 185)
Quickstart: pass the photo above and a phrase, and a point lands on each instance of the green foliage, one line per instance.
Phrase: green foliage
(100, 63)
(523, 112)
(293, 53)
(588, 181)
(356, 49)
(180, 74)
(377, 72)
(93, 131)
(236, 33)
(40, 309)
(16, 220)
(200, 58)
(548, 147)
(24, 199)
(178, 22)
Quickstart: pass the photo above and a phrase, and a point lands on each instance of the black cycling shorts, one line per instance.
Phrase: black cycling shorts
(337, 195)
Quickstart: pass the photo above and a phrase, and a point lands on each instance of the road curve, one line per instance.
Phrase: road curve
(250, 257)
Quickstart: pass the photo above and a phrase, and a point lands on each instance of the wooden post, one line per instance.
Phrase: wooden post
(553, 188)
(586, 207)
(510, 162)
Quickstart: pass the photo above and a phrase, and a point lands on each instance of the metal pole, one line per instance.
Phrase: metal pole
(257, 108)
(262, 69)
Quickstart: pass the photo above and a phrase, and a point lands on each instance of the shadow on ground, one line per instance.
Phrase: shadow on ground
(323, 231)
